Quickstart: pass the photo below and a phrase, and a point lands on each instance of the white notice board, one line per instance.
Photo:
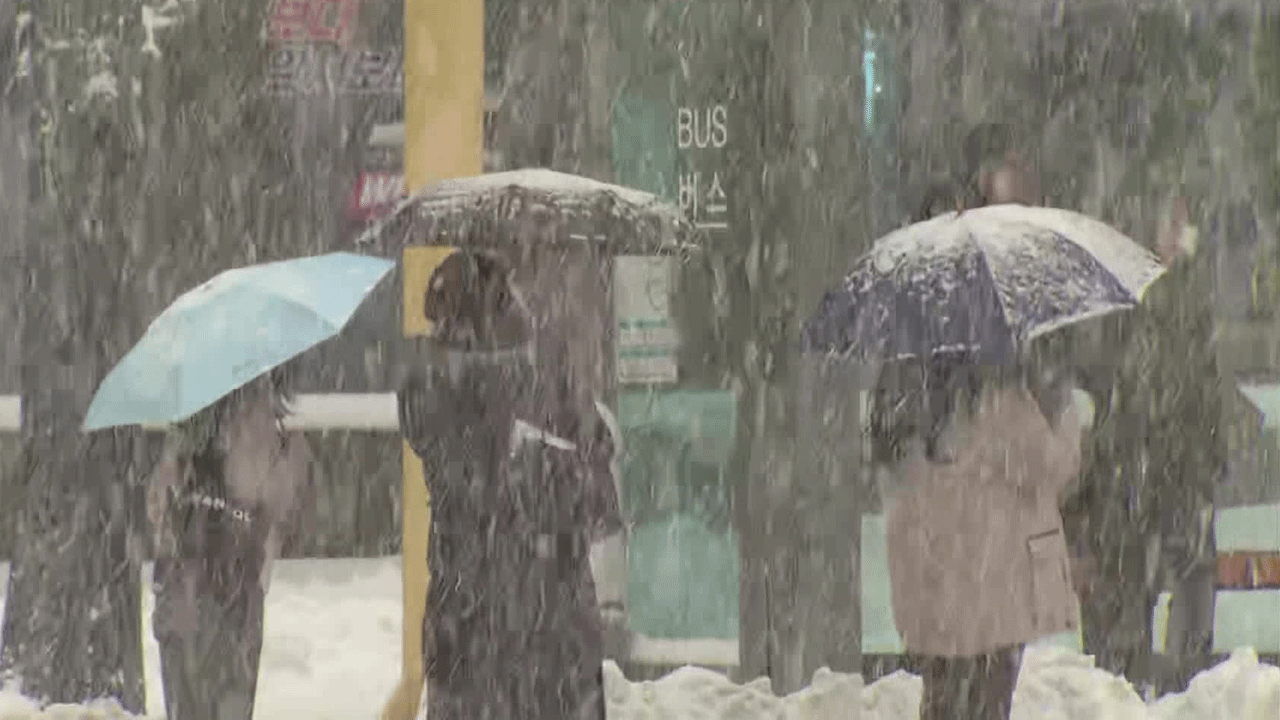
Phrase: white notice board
(647, 338)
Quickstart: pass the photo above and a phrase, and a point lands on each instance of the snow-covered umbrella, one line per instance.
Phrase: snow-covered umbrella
(535, 204)
(983, 281)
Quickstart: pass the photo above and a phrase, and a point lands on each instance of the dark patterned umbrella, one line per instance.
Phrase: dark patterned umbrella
(984, 281)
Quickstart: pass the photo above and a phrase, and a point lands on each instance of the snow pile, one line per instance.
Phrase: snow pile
(1056, 684)
(331, 641)
(1237, 688)
(13, 707)
(1061, 684)
(697, 694)
(332, 652)
(331, 646)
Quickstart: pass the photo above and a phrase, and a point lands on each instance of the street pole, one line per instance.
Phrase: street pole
(444, 138)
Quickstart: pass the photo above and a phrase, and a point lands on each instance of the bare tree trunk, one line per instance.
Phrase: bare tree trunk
(800, 503)
(17, 165)
(828, 165)
(544, 117)
(541, 117)
(150, 167)
(71, 627)
(782, 79)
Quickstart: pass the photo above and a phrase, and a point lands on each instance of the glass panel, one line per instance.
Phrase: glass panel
(670, 127)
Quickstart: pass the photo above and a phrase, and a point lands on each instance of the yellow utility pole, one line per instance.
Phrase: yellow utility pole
(444, 138)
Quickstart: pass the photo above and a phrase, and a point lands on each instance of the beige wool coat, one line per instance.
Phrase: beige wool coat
(977, 557)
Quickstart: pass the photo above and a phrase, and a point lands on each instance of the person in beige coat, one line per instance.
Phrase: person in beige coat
(229, 487)
(980, 458)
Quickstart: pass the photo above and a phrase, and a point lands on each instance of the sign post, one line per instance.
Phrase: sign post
(443, 125)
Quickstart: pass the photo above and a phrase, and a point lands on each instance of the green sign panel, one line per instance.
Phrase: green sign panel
(644, 153)
(671, 130)
(683, 554)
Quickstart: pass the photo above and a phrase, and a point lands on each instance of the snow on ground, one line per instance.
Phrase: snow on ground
(332, 652)
(332, 645)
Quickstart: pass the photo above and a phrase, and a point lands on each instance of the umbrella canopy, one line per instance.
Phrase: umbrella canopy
(221, 335)
(535, 204)
(983, 281)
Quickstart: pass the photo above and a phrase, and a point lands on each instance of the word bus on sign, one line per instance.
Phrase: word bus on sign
(375, 191)
(702, 193)
(702, 128)
(313, 21)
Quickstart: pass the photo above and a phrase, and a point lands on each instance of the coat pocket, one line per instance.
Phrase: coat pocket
(1051, 591)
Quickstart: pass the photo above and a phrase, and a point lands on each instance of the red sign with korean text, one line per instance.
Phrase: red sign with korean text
(313, 21)
(317, 70)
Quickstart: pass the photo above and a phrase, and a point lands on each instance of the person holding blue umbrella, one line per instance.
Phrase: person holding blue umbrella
(231, 482)
(229, 488)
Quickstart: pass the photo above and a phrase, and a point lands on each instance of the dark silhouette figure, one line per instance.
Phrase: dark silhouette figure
(1154, 462)
(520, 486)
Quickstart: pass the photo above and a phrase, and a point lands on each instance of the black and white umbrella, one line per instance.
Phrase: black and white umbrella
(982, 281)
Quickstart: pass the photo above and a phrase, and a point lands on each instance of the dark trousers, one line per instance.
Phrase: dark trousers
(512, 630)
(448, 704)
(209, 628)
(1116, 612)
(1116, 622)
(969, 688)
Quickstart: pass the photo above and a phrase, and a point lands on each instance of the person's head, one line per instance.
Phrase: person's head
(998, 167)
(474, 304)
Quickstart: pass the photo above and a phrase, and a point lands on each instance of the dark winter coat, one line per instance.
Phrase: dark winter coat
(520, 485)
(1158, 449)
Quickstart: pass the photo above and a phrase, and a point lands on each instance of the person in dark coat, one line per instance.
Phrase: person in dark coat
(223, 500)
(1153, 464)
(520, 486)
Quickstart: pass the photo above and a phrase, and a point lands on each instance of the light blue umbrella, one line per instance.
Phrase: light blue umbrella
(228, 331)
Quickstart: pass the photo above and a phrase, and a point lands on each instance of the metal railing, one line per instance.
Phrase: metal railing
(377, 411)
(311, 411)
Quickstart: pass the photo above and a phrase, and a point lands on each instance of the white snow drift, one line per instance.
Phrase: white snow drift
(332, 652)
